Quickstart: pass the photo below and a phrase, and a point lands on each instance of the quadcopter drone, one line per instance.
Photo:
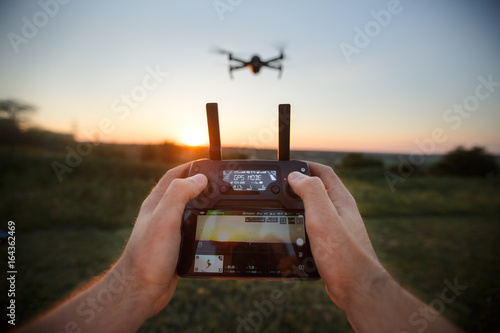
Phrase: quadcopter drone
(255, 63)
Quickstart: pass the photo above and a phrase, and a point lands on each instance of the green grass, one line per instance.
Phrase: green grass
(428, 230)
(98, 193)
(422, 252)
(419, 195)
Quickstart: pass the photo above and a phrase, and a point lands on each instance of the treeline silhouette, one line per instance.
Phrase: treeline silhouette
(14, 132)
(168, 152)
(473, 162)
(462, 162)
(360, 161)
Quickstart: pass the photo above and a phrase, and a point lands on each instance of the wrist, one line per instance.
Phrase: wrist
(371, 298)
(144, 292)
(367, 280)
(127, 292)
(367, 293)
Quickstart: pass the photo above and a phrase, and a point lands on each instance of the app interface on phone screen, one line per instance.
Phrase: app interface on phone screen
(264, 242)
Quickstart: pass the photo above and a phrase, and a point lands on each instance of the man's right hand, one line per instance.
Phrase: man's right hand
(355, 279)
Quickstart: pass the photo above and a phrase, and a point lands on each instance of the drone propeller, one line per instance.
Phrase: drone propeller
(281, 46)
(218, 50)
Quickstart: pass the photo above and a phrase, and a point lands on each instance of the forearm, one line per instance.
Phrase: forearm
(384, 306)
(111, 304)
(143, 280)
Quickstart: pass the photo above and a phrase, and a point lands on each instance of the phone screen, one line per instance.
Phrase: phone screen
(251, 243)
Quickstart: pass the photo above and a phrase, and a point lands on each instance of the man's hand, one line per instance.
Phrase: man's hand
(340, 244)
(346, 260)
(143, 280)
(153, 248)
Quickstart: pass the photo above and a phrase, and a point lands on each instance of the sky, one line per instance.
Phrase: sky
(374, 76)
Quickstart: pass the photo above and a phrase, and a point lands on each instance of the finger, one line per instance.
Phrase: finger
(168, 213)
(159, 190)
(337, 192)
(317, 204)
(344, 202)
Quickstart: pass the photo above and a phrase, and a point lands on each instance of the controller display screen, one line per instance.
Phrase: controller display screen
(250, 243)
(249, 180)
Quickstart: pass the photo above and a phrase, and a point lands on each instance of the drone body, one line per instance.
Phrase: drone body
(255, 64)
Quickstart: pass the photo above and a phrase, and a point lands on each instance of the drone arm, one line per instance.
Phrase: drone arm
(273, 66)
(232, 68)
(280, 57)
(239, 60)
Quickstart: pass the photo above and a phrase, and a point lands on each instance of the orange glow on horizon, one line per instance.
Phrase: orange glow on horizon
(193, 136)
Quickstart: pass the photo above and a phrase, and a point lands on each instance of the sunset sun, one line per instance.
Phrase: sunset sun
(193, 138)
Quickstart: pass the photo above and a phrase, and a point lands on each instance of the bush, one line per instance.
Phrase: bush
(469, 163)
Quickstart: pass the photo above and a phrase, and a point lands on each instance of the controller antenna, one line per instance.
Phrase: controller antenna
(284, 132)
(214, 132)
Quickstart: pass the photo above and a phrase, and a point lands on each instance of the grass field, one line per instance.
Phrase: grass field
(428, 231)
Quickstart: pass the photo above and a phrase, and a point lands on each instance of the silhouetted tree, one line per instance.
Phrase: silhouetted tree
(12, 109)
(463, 162)
(10, 129)
(12, 132)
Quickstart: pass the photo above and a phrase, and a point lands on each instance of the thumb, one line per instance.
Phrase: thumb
(317, 204)
(180, 191)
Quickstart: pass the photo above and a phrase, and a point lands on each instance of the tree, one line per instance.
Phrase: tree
(11, 112)
(12, 109)
(463, 162)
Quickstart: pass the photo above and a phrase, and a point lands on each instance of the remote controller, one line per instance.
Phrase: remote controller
(247, 223)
